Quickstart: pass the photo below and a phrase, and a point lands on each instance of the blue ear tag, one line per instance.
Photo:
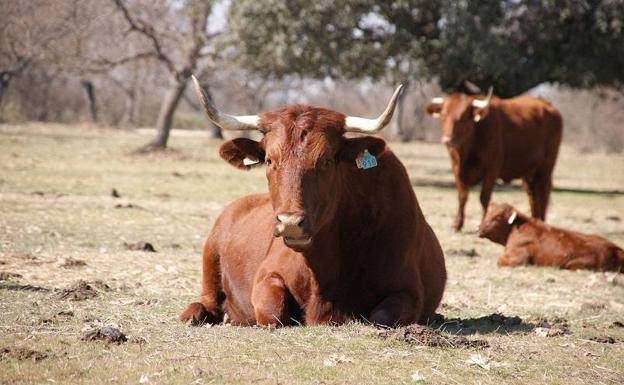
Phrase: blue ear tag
(366, 160)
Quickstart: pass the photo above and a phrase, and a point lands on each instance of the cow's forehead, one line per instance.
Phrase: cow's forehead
(456, 103)
(302, 131)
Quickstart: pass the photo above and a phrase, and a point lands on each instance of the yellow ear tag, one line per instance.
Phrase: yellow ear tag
(366, 160)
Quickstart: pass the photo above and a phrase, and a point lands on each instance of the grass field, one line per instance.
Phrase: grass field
(60, 224)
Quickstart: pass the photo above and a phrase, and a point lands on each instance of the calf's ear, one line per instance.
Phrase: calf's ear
(242, 153)
(353, 147)
(479, 113)
(434, 109)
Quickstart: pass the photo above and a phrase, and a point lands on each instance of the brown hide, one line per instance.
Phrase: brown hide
(359, 248)
(509, 139)
(531, 241)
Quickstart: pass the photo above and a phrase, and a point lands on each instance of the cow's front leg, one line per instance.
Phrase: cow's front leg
(487, 186)
(513, 257)
(462, 195)
(396, 309)
(269, 300)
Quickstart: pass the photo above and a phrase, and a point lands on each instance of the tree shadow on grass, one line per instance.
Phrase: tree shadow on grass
(423, 182)
(20, 287)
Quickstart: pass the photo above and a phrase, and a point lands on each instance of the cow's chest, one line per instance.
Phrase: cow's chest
(471, 169)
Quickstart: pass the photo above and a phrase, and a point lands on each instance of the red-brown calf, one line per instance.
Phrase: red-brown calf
(529, 241)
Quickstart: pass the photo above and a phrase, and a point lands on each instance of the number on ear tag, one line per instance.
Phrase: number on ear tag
(366, 160)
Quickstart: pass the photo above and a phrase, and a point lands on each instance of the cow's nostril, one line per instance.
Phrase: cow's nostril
(291, 220)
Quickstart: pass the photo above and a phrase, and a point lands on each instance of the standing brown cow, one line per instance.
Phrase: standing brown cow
(339, 236)
(495, 138)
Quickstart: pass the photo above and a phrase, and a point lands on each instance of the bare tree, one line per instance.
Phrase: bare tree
(182, 51)
(27, 28)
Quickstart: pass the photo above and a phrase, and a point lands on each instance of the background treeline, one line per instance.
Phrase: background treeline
(127, 62)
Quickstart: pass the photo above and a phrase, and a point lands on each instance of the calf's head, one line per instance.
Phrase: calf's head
(305, 153)
(498, 221)
(459, 114)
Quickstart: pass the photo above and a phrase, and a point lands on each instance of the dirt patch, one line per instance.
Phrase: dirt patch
(24, 256)
(81, 290)
(22, 354)
(555, 327)
(128, 206)
(110, 334)
(593, 306)
(613, 218)
(115, 193)
(71, 263)
(470, 253)
(604, 339)
(423, 335)
(140, 246)
(6, 275)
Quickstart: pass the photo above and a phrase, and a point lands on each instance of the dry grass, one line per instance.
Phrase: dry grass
(56, 209)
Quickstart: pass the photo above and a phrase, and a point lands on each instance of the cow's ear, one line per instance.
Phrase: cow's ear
(242, 153)
(434, 109)
(353, 147)
(479, 113)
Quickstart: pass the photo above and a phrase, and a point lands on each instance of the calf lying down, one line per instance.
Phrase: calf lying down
(531, 241)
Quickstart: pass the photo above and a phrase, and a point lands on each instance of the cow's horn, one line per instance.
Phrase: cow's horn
(437, 100)
(478, 103)
(371, 126)
(225, 121)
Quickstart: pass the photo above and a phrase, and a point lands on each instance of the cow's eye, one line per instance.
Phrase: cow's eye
(268, 161)
(328, 162)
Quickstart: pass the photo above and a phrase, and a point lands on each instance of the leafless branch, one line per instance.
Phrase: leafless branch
(149, 32)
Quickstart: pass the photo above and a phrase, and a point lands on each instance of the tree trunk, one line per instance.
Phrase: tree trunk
(129, 115)
(165, 116)
(399, 129)
(5, 78)
(215, 131)
(90, 91)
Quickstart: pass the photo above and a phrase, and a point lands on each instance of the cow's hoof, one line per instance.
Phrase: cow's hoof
(457, 226)
(196, 314)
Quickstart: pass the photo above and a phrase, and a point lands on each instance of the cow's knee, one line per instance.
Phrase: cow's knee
(196, 314)
(400, 309)
(269, 300)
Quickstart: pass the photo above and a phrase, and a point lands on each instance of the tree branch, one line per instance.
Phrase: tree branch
(149, 32)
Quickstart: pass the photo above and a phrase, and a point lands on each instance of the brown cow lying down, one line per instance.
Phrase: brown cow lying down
(531, 241)
(340, 235)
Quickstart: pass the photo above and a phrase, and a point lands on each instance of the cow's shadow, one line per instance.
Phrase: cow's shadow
(493, 323)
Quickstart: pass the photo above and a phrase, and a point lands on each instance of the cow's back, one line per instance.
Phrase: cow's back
(530, 130)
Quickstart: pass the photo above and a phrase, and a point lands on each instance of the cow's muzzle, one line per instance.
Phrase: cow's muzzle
(293, 228)
(447, 140)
